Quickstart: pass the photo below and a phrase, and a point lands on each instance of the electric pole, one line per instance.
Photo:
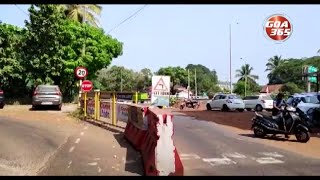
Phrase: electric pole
(195, 82)
(121, 80)
(188, 84)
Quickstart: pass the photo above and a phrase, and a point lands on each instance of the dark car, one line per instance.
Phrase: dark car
(47, 95)
(1, 99)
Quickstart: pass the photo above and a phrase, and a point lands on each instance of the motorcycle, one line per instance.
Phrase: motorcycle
(287, 123)
(190, 104)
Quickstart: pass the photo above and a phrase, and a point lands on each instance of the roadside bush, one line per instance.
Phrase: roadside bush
(173, 100)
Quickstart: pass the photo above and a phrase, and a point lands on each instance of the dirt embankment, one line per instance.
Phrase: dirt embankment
(241, 124)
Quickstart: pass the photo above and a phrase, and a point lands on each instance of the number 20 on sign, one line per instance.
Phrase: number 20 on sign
(81, 72)
(278, 28)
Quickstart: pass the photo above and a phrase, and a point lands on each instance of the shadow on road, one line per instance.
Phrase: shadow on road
(274, 138)
(44, 108)
(133, 158)
(105, 125)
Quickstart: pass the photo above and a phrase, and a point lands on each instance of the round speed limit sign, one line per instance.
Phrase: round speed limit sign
(81, 72)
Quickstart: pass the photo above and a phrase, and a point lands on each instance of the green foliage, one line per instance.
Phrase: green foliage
(178, 75)
(290, 70)
(245, 72)
(252, 88)
(206, 79)
(290, 88)
(12, 72)
(173, 100)
(110, 79)
(81, 12)
(43, 48)
(49, 49)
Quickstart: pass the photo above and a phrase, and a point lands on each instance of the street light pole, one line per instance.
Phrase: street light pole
(230, 73)
(230, 56)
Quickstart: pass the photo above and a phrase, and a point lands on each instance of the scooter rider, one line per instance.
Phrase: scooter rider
(276, 110)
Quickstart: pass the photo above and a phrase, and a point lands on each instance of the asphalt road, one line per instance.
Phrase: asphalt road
(207, 148)
(35, 147)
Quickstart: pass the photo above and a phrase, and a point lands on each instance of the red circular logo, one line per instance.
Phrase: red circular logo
(278, 27)
(86, 86)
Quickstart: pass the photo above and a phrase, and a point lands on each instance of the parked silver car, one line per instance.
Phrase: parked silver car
(47, 95)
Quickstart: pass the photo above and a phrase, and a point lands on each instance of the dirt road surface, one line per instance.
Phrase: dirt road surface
(49, 142)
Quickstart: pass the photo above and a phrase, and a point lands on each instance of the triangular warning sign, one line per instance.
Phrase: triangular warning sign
(160, 86)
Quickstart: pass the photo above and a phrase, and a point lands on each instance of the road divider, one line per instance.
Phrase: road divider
(148, 129)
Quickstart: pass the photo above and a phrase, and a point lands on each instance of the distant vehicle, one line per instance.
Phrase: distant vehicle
(1, 99)
(226, 102)
(258, 102)
(47, 95)
(306, 101)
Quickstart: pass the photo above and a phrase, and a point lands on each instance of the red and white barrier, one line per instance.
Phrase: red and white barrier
(134, 132)
(153, 137)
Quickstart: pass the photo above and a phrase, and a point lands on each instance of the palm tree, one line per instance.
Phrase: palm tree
(274, 63)
(245, 72)
(79, 12)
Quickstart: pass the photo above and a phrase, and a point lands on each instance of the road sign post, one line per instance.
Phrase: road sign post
(160, 95)
(86, 86)
(81, 73)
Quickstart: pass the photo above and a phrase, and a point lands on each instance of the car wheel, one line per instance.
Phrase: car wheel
(1, 106)
(248, 109)
(209, 107)
(259, 108)
(34, 107)
(59, 107)
(225, 108)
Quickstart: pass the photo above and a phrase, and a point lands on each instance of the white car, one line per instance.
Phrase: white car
(258, 102)
(226, 102)
(307, 101)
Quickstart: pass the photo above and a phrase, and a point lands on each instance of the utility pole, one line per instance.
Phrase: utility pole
(309, 86)
(83, 54)
(188, 84)
(195, 82)
(230, 60)
(121, 80)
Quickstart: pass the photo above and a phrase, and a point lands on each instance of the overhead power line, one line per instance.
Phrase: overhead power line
(22, 10)
(131, 16)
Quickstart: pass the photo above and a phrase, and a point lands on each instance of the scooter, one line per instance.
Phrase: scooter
(190, 104)
(287, 123)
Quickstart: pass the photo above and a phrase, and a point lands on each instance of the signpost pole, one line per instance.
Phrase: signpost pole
(85, 104)
(113, 109)
(80, 92)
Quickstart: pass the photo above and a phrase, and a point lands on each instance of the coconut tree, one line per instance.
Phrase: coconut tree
(245, 72)
(80, 12)
(274, 63)
(245, 76)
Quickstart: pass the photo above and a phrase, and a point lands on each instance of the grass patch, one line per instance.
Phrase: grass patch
(78, 114)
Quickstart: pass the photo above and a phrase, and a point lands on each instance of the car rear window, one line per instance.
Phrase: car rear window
(48, 89)
(311, 99)
(266, 98)
(234, 97)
